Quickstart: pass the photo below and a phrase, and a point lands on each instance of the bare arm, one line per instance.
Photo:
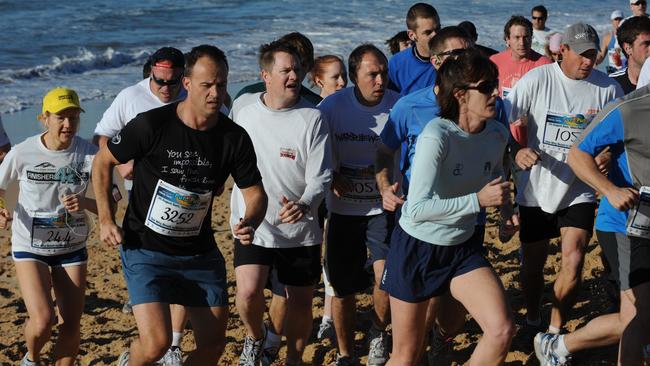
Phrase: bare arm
(5, 215)
(126, 169)
(586, 168)
(384, 161)
(4, 149)
(603, 48)
(103, 165)
(256, 202)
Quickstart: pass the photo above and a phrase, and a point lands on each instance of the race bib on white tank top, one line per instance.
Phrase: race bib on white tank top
(58, 231)
(562, 130)
(177, 212)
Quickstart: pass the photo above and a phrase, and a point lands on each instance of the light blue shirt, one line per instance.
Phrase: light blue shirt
(450, 167)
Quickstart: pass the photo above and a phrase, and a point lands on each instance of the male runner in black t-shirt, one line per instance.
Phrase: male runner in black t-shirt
(183, 153)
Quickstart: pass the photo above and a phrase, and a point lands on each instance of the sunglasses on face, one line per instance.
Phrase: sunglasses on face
(171, 82)
(485, 87)
(538, 18)
(456, 52)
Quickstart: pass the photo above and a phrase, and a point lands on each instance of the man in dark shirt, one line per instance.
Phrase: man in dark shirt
(183, 153)
(634, 38)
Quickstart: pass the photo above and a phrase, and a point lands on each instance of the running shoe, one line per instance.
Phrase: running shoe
(26, 362)
(326, 331)
(377, 347)
(124, 359)
(438, 347)
(251, 354)
(127, 308)
(544, 344)
(173, 357)
(344, 361)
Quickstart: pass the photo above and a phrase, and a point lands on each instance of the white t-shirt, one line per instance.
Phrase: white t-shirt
(293, 155)
(40, 224)
(4, 139)
(354, 133)
(540, 40)
(644, 75)
(558, 110)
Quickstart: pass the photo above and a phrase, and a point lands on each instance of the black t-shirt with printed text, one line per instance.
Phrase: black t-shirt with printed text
(167, 153)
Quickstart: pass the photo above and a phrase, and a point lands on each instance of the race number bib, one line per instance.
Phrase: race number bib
(562, 130)
(506, 91)
(638, 223)
(176, 212)
(364, 186)
(58, 231)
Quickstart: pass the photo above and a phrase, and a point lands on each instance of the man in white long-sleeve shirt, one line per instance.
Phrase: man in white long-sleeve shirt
(292, 146)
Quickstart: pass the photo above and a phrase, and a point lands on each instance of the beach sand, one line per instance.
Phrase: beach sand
(106, 331)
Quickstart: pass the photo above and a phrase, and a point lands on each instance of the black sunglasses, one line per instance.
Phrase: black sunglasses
(171, 82)
(538, 18)
(455, 52)
(485, 87)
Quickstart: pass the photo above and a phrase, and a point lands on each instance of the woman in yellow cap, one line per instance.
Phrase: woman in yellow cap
(49, 228)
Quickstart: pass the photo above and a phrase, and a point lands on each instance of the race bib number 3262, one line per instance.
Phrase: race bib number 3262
(177, 212)
(562, 130)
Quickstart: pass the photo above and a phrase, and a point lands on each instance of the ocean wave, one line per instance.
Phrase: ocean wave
(84, 61)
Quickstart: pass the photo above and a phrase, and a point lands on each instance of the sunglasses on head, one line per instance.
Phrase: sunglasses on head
(454, 52)
(485, 87)
(171, 82)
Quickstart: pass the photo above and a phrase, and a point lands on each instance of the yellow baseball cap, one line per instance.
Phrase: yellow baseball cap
(59, 99)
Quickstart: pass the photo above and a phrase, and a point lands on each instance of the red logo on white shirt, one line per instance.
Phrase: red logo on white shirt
(288, 153)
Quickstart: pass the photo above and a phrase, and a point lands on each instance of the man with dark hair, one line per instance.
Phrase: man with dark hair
(399, 42)
(184, 153)
(557, 101)
(470, 29)
(305, 50)
(634, 37)
(357, 222)
(541, 33)
(293, 148)
(410, 69)
(160, 86)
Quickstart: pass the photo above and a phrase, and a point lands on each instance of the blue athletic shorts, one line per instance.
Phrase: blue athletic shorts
(76, 258)
(416, 271)
(192, 280)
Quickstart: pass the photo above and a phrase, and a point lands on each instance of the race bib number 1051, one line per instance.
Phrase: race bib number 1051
(562, 130)
(177, 212)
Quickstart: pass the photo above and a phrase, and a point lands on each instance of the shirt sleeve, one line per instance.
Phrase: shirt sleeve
(424, 205)
(518, 100)
(133, 141)
(244, 171)
(392, 135)
(8, 169)
(113, 118)
(606, 133)
(318, 171)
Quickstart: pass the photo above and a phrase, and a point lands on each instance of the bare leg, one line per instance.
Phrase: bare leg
(155, 333)
(278, 314)
(209, 325)
(69, 287)
(179, 318)
(251, 305)
(344, 314)
(297, 331)
(380, 297)
(408, 331)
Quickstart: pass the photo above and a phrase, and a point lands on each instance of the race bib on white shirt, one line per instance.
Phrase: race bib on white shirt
(638, 223)
(506, 91)
(177, 212)
(562, 130)
(364, 185)
(58, 231)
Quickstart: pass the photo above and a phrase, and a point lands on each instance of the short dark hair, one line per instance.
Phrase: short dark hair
(456, 74)
(517, 20)
(146, 69)
(630, 29)
(420, 10)
(470, 29)
(437, 42)
(267, 53)
(541, 9)
(393, 42)
(354, 61)
(303, 46)
(204, 50)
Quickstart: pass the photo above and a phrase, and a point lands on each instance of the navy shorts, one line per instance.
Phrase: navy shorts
(416, 271)
(537, 225)
(349, 240)
(76, 258)
(189, 280)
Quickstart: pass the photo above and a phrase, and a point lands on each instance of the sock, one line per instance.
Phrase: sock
(176, 339)
(560, 348)
(27, 357)
(326, 319)
(272, 340)
(553, 330)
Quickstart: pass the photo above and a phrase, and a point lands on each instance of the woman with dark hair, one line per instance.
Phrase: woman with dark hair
(457, 170)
